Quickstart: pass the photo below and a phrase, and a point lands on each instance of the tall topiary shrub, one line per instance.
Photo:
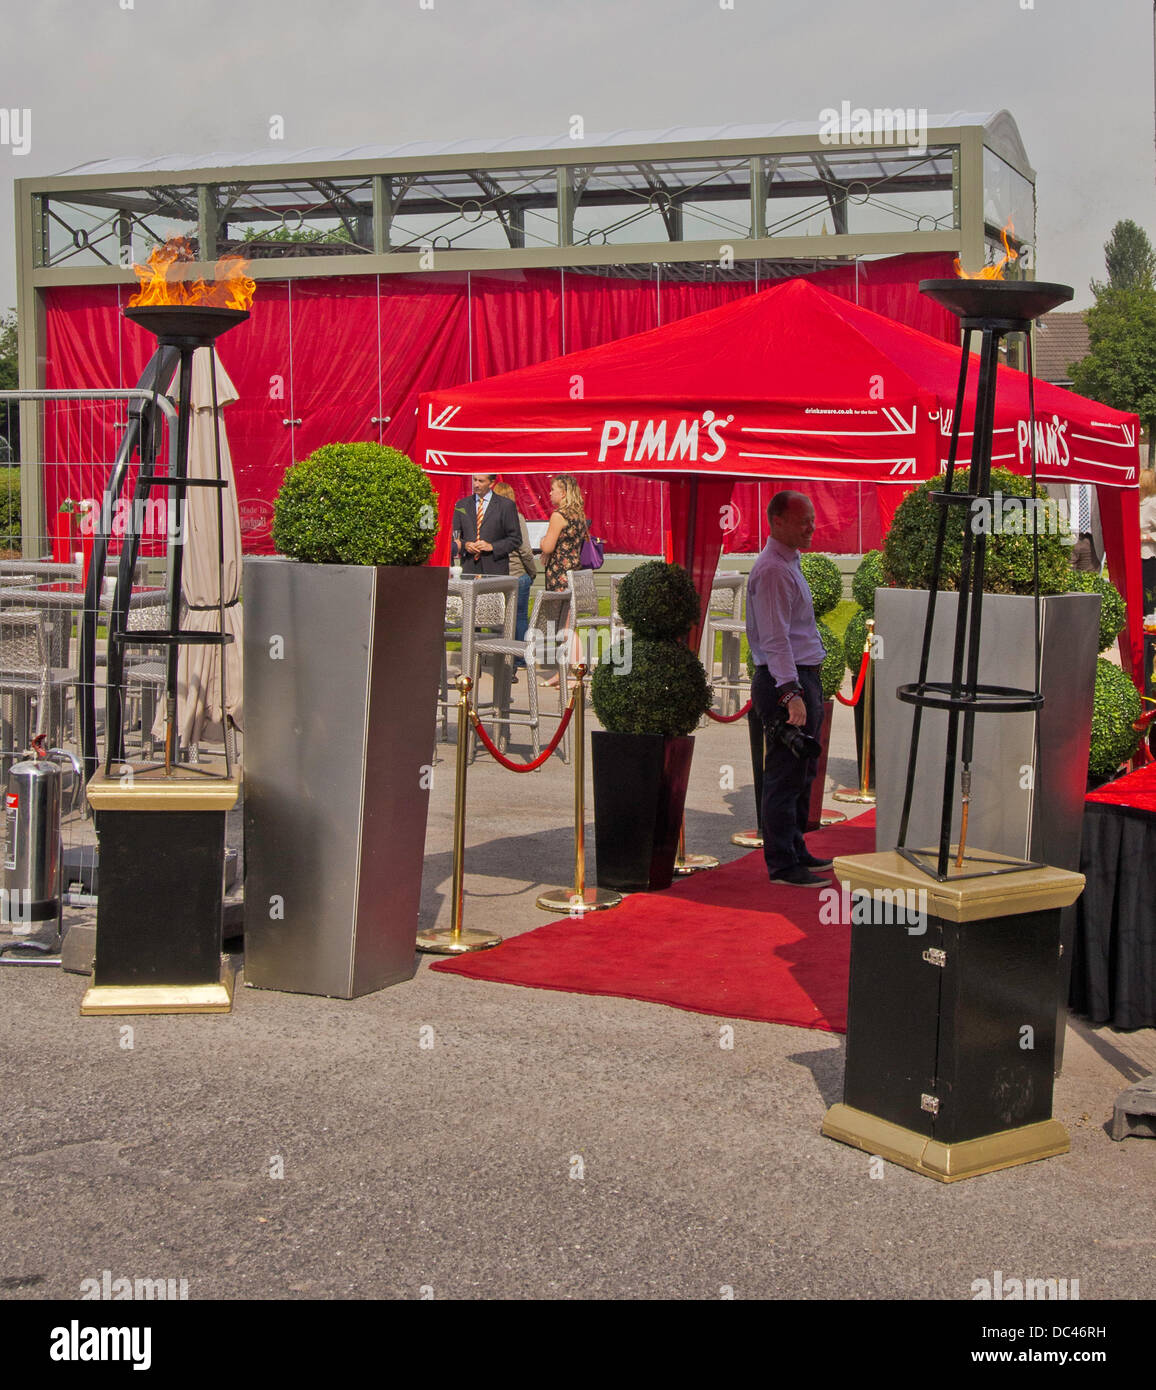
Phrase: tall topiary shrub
(868, 577)
(824, 579)
(1115, 704)
(664, 688)
(909, 550)
(1113, 610)
(356, 504)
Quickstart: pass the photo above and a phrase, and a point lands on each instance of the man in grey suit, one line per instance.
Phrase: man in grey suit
(485, 529)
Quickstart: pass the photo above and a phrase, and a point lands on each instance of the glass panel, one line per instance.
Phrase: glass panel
(859, 190)
(473, 209)
(295, 217)
(1007, 194)
(117, 226)
(662, 200)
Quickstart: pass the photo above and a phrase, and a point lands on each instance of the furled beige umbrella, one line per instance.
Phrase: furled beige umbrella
(200, 717)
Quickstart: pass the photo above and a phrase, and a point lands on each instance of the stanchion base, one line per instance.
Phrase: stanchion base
(567, 901)
(855, 795)
(693, 863)
(747, 839)
(832, 818)
(442, 942)
(158, 999)
(945, 1162)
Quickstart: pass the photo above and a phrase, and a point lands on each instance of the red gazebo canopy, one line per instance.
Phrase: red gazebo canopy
(792, 384)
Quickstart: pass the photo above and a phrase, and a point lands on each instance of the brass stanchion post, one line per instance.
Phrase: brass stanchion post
(579, 899)
(864, 795)
(454, 940)
(691, 863)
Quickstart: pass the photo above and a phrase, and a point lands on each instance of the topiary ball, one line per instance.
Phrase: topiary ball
(1115, 704)
(658, 601)
(854, 636)
(824, 579)
(868, 577)
(356, 504)
(831, 671)
(664, 691)
(909, 550)
(1113, 609)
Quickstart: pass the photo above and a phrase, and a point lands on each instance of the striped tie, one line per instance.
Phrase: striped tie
(481, 513)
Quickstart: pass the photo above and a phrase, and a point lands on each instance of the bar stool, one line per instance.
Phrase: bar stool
(725, 615)
(584, 614)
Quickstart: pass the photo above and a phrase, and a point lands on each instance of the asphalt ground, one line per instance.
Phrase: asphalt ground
(452, 1139)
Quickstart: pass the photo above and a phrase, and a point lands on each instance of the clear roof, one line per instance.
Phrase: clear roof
(1001, 133)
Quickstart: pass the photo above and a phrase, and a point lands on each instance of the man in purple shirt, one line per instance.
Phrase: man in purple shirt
(788, 653)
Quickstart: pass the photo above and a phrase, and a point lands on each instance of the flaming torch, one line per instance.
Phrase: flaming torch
(994, 307)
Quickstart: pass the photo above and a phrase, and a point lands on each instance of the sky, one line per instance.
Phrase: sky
(145, 78)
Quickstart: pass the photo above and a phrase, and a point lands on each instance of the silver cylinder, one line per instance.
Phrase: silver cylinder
(32, 854)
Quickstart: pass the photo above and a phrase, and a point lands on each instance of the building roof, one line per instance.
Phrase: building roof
(1061, 339)
(1002, 135)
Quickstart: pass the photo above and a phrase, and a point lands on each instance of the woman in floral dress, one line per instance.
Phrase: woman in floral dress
(562, 544)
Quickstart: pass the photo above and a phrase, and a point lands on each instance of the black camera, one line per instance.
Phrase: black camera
(796, 739)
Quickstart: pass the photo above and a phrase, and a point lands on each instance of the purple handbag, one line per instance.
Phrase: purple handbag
(592, 554)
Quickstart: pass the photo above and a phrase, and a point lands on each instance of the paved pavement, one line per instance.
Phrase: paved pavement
(464, 1140)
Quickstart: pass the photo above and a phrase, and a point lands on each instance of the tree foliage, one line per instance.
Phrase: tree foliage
(1130, 259)
(1120, 368)
(9, 381)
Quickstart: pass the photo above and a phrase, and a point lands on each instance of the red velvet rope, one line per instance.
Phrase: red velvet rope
(854, 700)
(540, 759)
(728, 718)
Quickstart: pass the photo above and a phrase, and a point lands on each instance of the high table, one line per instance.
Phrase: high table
(62, 601)
(468, 589)
(1114, 957)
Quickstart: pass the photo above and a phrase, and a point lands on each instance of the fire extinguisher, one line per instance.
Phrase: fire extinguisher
(31, 904)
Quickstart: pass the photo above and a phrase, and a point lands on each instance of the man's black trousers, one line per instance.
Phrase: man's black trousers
(786, 779)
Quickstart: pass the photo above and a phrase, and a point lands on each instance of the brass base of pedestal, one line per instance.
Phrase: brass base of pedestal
(442, 942)
(565, 900)
(855, 795)
(747, 839)
(945, 1162)
(832, 818)
(158, 999)
(694, 863)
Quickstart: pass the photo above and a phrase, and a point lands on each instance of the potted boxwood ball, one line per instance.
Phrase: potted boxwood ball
(647, 707)
(343, 633)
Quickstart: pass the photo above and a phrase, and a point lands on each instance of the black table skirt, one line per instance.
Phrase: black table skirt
(1114, 959)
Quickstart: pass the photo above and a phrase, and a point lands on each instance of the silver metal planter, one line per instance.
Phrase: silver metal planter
(342, 664)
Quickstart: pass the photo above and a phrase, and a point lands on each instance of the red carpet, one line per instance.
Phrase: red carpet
(724, 942)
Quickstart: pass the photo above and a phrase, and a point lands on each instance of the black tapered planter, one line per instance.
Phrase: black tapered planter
(640, 783)
(815, 810)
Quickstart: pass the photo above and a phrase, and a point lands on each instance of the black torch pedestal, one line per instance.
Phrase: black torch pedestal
(161, 827)
(952, 1009)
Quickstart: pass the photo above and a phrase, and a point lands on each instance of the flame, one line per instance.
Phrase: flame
(992, 272)
(231, 287)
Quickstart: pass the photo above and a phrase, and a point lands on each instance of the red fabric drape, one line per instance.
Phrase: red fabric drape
(348, 356)
(698, 523)
(1120, 521)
